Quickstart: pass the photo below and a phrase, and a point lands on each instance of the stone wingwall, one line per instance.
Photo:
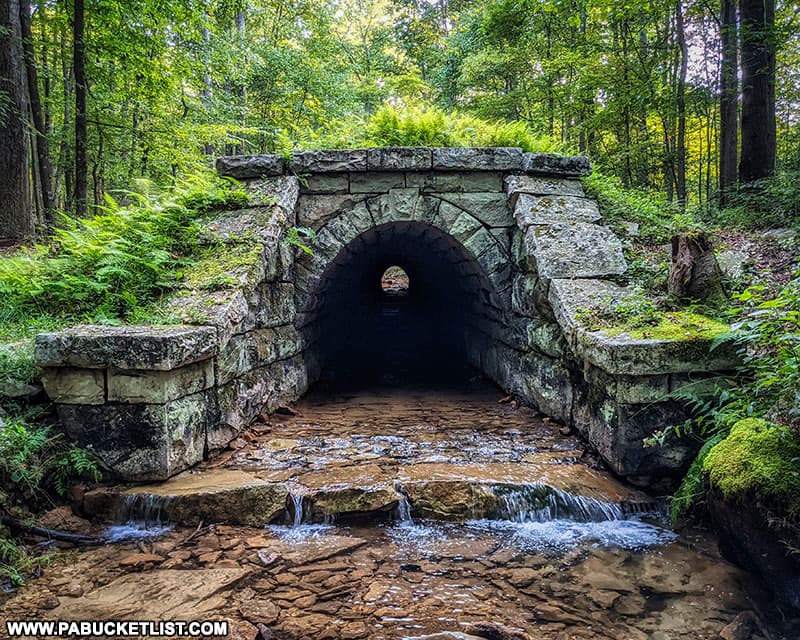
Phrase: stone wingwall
(517, 247)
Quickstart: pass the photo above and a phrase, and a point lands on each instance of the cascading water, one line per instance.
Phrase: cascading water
(540, 503)
(140, 516)
(297, 510)
(402, 514)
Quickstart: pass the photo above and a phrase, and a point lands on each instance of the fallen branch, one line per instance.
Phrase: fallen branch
(17, 526)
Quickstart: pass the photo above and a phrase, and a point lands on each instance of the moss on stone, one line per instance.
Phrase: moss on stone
(672, 325)
(224, 266)
(758, 460)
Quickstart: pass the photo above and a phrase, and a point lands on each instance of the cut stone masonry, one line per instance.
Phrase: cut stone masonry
(516, 241)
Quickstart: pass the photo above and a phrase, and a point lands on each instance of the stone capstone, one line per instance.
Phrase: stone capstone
(250, 166)
(550, 164)
(334, 161)
(399, 159)
(477, 159)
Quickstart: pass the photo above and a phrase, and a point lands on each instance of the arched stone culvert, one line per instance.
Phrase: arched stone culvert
(504, 253)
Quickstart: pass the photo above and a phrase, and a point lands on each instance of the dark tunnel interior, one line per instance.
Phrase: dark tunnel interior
(392, 335)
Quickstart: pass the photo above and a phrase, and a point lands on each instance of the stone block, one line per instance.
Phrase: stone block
(547, 338)
(550, 164)
(255, 349)
(266, 224)
(325, 183)
(399, 159)
(477, 159)
(630, 389)
(402, 205)
(250, 166)
(328, 161)
(66, 385)
(490, 208)
(578, 250)
(453, 181)
(316, 210)
(282, 191)
(376, 182)
(157, 348)
(541, 186)
(276, 306)
(544, 210)
(219, 495)
(143, 441)
(159, 387)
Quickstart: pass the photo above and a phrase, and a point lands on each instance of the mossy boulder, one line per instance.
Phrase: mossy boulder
(758, 460)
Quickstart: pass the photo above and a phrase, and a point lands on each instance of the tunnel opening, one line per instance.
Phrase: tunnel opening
(399, 306)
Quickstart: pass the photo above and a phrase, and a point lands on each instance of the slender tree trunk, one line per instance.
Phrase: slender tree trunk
(16, 211)
(758, 89)
(729, 100)
(42, 150)
(79, 64)
(680, 142)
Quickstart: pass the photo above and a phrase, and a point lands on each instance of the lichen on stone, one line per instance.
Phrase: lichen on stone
(225, 266)
(758, 460)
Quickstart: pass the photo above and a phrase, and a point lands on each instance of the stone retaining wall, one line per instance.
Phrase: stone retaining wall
(513, 230)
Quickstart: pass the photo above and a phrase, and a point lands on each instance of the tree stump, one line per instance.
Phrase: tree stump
(694, 273)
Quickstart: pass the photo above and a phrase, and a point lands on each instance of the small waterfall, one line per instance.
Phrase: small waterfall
(540, 503)
(402, 512)
(145, 508)
(297, 510)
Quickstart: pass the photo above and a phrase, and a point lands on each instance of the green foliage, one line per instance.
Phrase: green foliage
(105, 266)
(657, 218)
(300, 237)
(693, 484)
(16, 561)
(35, 460)
(758, 460)
(420, 125)
(773, 202)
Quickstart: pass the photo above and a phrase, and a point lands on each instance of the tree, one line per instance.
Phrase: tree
(758, 89)
(16, 211)
(79, 69)
(729, 99)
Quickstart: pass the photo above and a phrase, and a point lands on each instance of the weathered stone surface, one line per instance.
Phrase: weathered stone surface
(543, 210)
(316, 210)
(456, 182)
(490, 208)
(67, 385)
(18, 390)
(143, 441)
(158, 387)
(541, 186)
(630, 389)
(328, 161)
(325, 183)
(478, 159)
(217, 495)
(621, 354)
(276, 306)
(376, 182)
(282, 191)
(550, 164)
(158, 348)
(402, 205)
(264, 223)
(250, 166)
(578, 250)
(459, 224)
(399, 159)
(547, 338)
(456, 500)
(257, 348)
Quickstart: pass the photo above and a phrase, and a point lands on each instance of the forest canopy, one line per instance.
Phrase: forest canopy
(678, 97)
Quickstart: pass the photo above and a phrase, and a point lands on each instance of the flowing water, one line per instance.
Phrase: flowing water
(478, 513)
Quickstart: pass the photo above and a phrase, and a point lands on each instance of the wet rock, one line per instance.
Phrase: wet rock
(260, 611)
(156, 595)
(73, 590)
(741, 628)
(493, 631)
(447, 635)
(242, 630)
(140, 559)
(451, 499)
(354, 630)
(522, 577)
(630, 605)
(213, 496)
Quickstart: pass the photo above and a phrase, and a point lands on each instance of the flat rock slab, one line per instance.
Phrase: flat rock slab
(314, 549)
(156, 595)
(250, 166)
(477, 159)
(554, 209)
(336, 160)
(574, 250)
(399, 159)
(551, 164)
(159, 348)
(219, 495)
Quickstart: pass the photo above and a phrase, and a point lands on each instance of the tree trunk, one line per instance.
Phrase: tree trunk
(680, 142)
(16, 211)
(729, 101)
(79, 64)
(694, 273)
(42, 150)
(758, 89)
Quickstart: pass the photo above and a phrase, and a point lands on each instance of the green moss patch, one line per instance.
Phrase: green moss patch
(679, 325)
(758, 460)
(225, 266)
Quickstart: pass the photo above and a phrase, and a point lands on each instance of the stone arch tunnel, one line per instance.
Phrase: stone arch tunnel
(505, 253)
